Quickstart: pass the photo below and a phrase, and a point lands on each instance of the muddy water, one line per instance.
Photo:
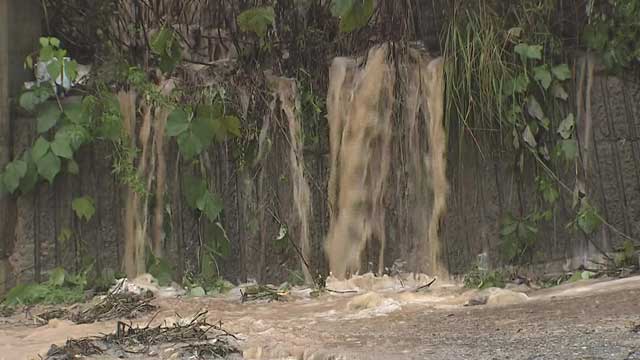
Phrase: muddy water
(374, 321)
(365, 97)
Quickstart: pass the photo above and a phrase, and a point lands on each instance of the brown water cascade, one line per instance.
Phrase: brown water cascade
(365, 97)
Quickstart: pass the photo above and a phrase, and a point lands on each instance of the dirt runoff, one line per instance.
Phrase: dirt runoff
(382, 320)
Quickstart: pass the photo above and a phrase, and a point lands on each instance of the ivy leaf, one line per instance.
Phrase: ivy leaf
(559, 92)
(84, 207)
(542, 75)
(13, 173)
(257, 20)
(48, 166)
(534, 109)
(48, 116)
(527, 136)
(526, 51)
(204, 129)
(61, 147)
(194, 190)
(561, 72)
(565, 129)
(40, 148)
(177, 122)
(190, 145)
(210, 205)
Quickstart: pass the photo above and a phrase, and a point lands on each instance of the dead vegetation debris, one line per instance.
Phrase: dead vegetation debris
(193, 338)
(262, 293)
(116, 305)
(74, 349)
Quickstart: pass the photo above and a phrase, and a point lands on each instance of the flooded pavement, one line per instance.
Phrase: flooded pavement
(386, 319)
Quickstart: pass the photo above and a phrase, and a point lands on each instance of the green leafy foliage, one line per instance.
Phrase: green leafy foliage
(165, 44)
(257, 20)
(542, 75)
(353, 14)
(84, 207)
(161, 269)
(61, 288)
(517, 235)
(614, 31)
(200, 198)
(528, 52)
(195, 131)
(14, 172)
(483, 279)
(48, 116)
(588, 219)
(548, 190)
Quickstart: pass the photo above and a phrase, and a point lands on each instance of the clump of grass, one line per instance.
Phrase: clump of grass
(475, 47)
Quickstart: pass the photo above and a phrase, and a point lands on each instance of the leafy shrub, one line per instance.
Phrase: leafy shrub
(482, 279)
(61, 288)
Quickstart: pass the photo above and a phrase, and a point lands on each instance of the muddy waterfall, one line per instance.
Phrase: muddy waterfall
(367, 99)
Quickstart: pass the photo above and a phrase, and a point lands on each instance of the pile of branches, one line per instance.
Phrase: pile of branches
(262, 293)
(195, 338)
(116, 305)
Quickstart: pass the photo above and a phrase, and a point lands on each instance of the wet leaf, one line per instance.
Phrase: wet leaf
(61, 147)
(84, 207)
(528, 137)
(542, 75)
(211, 205)
(177, 122)
(48, 116)
(588, 219)
(559, 92)
(13, 173)
(565, 129)
(194, 190)
(526, 51)
(40, 148)
(561, 72)
(189, 144)
(534, 109)
(48, 166)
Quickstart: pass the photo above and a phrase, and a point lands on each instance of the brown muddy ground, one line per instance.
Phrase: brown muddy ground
(587, 320)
